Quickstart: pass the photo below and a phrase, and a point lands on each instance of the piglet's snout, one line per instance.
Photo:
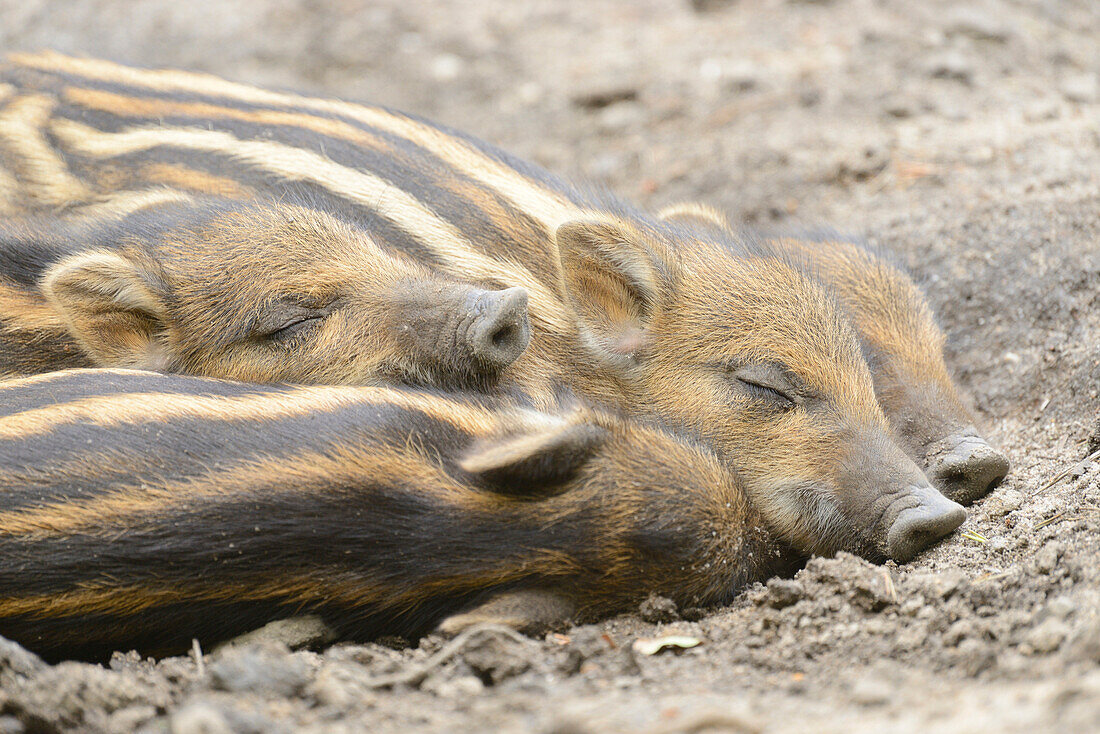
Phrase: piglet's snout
(920, 519)
(500, 332)
(965, 467)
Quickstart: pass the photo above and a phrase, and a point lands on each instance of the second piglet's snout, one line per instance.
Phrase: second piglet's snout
(965, 467)
(498, 331)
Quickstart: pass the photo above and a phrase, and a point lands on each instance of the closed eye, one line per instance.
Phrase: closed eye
(768, 382)
(767, 392)
(295, 328)
(286, 322)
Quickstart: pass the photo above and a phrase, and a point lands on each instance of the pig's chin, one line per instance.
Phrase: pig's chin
(806, 515)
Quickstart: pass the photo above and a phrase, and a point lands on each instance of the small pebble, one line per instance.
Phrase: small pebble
(1081, 88)
(784, 592)
(741, 76)
(952, 65)
(1046, 560)
(446, 67)
(1060, 607)
(1048, 636)
(294, 632)
(463, 686)
(600, 96)
(872, 690)
(976, 656)
(658, 608)
(1042, 110)
(976, 23)
(198, 718)
(618, 117)
(257, 669)
(1084, 645)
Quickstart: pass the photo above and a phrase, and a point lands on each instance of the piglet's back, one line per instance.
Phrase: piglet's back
(143, 510)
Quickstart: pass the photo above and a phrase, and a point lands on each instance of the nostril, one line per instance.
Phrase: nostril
(503, 337)
(498, 342)
(953, 476)
(970, 471)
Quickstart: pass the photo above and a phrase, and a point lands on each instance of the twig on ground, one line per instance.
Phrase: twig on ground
(1063, 516)
(1066, 472)
(891, 590)
(993, 576)
(196, 652)
(1049, 521)
(414, 675)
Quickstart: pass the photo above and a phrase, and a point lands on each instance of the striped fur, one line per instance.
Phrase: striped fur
(900, 339)
(701, 330)
(143, 511)
(248, 290)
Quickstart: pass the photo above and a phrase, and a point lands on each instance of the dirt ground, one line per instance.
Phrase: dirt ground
(965, 136)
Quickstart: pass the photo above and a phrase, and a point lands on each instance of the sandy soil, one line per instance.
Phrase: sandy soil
(965, 136)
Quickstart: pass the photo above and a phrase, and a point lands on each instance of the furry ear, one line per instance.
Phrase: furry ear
(111, 307)
(615, 279)
(695, 214)
(533, 460)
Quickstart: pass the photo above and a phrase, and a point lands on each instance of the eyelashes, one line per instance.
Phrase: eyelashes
(296, 328)
(767, 392)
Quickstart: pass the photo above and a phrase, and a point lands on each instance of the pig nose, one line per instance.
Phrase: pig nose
(918, 526)
(968, 468)
(501, 331)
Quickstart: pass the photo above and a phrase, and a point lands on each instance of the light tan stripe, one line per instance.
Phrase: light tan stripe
(398, 206)
(9, 190)
(136, 407)
(62, 375)
(21, 309)
(6, 90)
(128, 106)
(543, 204)
(195, 180)
(106, 513)
(319, 586)
(694, 210)
(47, 178)
(124, 203)
(125, 599)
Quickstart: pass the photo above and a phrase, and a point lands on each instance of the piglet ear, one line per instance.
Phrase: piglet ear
(695, 214)
(111, 306)
(534, 460)
(616, 279)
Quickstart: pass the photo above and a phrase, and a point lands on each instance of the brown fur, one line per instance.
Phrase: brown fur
(897, 327)
(899, 335)
(655, 320)
(347, 521)
(181, 293)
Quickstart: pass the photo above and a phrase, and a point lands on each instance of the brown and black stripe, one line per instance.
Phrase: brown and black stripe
(75, 131)
(142, 510)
